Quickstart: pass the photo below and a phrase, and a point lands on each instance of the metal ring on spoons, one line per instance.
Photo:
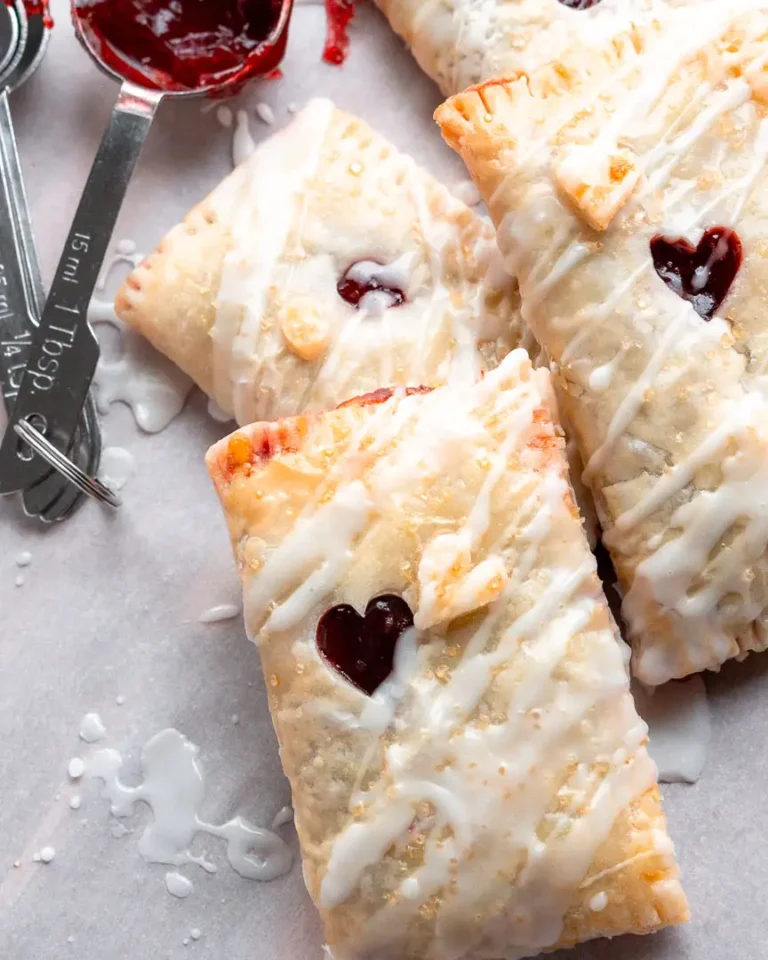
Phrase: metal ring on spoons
(53, 497)
(45, 449)
(57, 396)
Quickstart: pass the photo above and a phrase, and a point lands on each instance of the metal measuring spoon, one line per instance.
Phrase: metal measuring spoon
(52, 497)
(65, 350)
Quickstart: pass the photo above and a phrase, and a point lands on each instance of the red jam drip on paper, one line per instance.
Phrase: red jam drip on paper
(353, 291)
(185, 44)
(338, 14)
(362, 649)
(39, 8)
(702, 275)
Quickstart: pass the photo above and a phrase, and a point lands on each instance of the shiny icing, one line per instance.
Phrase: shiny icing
(484, 736)
(683, 171)
(283, 339)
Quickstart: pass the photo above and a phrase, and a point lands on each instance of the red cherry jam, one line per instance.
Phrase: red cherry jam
(354, 288)
(186, 44)
(702, 275)
(362, 649)
(338, 15)
(39, 8)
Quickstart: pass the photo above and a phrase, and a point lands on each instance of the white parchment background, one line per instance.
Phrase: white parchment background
(110, 603)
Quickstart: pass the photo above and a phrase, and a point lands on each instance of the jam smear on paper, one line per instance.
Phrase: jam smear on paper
(702, 275)
(38, 8)
(338, 13)
(186, 45)
(362, 649)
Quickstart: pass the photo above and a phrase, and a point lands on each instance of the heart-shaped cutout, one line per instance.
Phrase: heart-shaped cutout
(371, 286)
(362, 649)
(701, 275)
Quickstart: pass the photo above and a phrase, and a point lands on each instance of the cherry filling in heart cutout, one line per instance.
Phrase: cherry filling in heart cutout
(368, 277)
(362, 649)
(579, 4)
(701, 275)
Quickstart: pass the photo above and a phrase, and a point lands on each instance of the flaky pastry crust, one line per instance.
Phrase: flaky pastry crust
(493, 797)
(588, 165)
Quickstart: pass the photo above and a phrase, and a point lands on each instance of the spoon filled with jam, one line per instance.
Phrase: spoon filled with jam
(157, 49)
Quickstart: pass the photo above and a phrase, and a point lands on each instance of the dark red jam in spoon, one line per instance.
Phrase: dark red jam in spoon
(338, 14)
(362, 649)
(579, 4)
(186, 44)
(702, 275)
(354, 288)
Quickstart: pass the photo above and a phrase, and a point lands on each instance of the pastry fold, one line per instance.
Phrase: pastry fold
(462, 42)
(246, 294)
(628, 187)
(493, 795)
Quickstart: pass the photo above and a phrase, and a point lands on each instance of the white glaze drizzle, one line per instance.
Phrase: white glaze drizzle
(268, 243)
(116, 468)
(153, 387)
(675, 567)
(92, 728)
(173, 787)
(439, 754)
(219, 612)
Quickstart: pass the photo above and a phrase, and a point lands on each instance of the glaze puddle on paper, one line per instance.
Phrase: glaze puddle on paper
(153, 388)
(173, 787)
(677, 715)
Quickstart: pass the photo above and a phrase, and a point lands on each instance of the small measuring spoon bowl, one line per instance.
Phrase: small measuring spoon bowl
(11, 26)
(188, 48)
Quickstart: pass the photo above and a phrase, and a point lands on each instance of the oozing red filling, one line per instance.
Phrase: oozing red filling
(338, 14)
(702, 275)
(579, 4)
(362, 649)
(185, 44)
(353, 290)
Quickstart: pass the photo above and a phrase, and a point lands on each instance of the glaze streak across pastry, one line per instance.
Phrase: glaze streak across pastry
(326, 266)
(491, 796)
(462, 42)
(629, 189)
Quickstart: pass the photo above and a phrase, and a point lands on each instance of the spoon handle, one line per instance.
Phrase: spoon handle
(65, 351)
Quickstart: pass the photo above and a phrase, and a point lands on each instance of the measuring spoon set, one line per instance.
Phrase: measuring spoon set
(51, 448)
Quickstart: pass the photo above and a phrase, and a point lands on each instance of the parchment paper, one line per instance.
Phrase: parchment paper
(110, 603)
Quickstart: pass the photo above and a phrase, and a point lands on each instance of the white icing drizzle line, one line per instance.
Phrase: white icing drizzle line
(470, 774)
(271, 205)
(153, 387)
(667, 575)
(173, 787)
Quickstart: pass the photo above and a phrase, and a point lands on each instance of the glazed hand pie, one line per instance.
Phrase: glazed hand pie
(326, 266)
(630, 193)
(469, 775)
(461, 42)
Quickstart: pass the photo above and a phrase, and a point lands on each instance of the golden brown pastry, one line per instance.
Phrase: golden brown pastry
(462, 42)
(629, 191)
(469, 775)
(326, 266)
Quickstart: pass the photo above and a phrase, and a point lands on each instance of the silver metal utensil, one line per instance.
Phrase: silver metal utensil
(52, 497)
(65, 350)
